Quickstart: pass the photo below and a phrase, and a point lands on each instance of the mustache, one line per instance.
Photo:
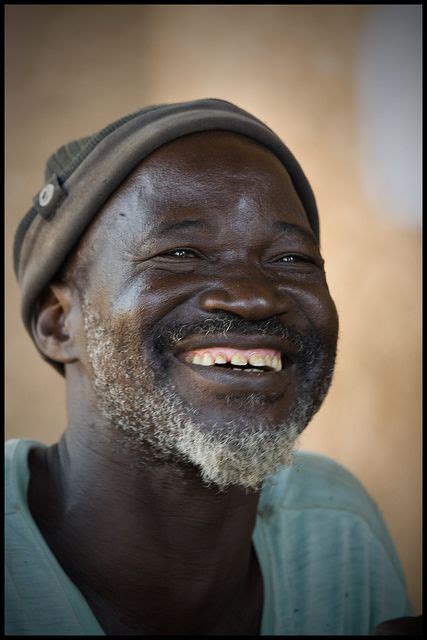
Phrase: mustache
(222, 324)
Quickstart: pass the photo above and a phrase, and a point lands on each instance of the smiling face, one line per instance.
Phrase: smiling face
(210, 334)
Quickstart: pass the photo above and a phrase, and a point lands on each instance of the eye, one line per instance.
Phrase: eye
(293, 258)
(181, 253)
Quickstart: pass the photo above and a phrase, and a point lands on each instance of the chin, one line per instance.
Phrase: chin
(243, 456)
(241, 448)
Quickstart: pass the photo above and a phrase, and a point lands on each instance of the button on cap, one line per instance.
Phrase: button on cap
(46, 194)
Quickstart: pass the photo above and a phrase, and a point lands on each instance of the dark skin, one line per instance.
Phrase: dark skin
(407, 626)
(188, 565)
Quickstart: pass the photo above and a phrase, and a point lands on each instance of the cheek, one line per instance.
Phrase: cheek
(326, 320)
(149, 298)
(131, 305)
(318, 308)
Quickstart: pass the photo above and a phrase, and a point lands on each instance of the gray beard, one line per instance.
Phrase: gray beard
(147, 409)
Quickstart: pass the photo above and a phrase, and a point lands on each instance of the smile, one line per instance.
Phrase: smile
(239, 364)
(250, 360)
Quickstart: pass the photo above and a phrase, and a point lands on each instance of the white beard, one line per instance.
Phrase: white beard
(243, 452)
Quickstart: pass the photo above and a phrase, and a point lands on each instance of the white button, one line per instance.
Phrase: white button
(46, 194)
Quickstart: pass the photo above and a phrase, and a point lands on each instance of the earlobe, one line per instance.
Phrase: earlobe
(54, 324)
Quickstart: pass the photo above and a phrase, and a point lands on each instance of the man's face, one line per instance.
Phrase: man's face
(210, 332)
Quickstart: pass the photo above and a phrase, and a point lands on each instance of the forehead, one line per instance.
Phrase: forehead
(224, 176)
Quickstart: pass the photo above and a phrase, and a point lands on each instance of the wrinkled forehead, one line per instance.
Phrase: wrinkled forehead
(206, 156)
(201, 171)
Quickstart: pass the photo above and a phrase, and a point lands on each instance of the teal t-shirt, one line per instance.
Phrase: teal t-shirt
(328, 563)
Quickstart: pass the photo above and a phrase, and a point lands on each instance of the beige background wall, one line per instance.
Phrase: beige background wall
(71, 69)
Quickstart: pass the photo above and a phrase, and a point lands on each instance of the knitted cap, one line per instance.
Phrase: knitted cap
(82, 175)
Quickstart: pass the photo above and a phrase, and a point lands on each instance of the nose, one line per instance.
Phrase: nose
(249, 298)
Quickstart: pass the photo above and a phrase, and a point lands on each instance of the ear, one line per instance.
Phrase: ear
(56, 323)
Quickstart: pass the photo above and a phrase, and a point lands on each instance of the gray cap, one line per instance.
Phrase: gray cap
(82, 175)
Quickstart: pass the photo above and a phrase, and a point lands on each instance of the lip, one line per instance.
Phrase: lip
(217, 380)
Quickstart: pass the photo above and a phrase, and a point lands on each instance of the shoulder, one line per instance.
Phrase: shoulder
(16, 449)
(320, 497)
(315, 480)
(10, 448)
(326, 551)
(316, 488)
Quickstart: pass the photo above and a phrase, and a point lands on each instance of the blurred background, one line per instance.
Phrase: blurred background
(341, 85)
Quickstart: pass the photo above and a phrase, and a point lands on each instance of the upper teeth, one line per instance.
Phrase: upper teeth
(218, 355)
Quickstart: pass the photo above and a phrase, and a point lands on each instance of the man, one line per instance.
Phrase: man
(171, 270)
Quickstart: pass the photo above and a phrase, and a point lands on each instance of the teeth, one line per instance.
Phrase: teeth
(277, 363)
(239, 359)
(257, 360)
(207, 360)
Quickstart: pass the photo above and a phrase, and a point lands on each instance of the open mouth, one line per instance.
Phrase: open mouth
(234, 364)
(244, 358)
(248, 360)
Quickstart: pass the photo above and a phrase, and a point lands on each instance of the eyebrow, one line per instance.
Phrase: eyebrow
(182, 225)
(284, 227)
(281, 227)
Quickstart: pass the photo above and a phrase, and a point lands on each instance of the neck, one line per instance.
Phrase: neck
(144, 533)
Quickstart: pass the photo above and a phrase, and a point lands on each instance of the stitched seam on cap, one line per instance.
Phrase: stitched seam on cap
(20, 234)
